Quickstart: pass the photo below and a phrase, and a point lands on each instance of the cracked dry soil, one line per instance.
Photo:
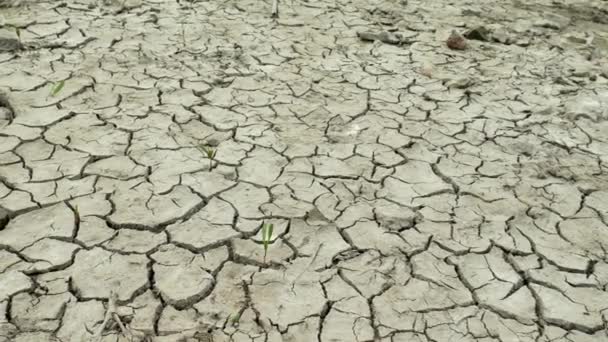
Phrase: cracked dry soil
(417, 193)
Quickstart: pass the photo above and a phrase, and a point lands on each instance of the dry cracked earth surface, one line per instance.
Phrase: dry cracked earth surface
(417, 193)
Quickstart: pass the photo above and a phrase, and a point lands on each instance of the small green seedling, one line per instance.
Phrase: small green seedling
(267, 229)
(56, 88)
(210, 152)
(234, 319)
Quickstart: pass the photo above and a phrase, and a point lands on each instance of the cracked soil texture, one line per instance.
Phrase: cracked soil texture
(418, 193)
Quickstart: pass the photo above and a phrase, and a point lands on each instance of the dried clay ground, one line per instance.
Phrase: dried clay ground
(418, 193)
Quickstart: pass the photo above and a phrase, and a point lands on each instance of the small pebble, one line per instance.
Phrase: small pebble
(456, 41)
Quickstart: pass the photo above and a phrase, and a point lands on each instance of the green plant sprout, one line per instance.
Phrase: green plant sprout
(267, 229)
(56, 88)
(234, 319)
(210, 152)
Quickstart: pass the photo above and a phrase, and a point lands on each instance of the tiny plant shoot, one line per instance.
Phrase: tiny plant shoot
(267, 229)
(57, 87)
(210, 152)
(234, 319)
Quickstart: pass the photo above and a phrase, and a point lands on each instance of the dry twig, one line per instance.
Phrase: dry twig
(111, 313)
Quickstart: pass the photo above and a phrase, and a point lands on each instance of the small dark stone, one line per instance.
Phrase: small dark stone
(383, 36)
(9, 44)
(478, 33)
(456, 41)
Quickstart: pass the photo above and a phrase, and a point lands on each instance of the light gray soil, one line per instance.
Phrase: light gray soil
(418, 192)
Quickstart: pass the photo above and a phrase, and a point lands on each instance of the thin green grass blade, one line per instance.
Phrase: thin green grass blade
(267, 235)
(57, 87)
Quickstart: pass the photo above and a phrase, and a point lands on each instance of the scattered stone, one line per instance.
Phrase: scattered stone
(456, 41)
(478, 33)
(383, 36)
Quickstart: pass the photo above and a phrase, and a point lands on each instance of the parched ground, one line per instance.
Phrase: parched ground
(417, 193)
